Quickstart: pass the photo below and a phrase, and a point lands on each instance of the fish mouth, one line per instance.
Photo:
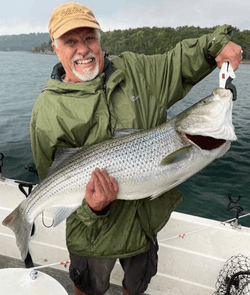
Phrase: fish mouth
(205, 142)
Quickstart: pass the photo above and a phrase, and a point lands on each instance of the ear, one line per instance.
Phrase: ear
(55, 49)
(53, 46)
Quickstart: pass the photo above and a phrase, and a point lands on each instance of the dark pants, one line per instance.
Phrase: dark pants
(92, 275)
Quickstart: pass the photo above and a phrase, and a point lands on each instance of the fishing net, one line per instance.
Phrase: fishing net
(234, 277)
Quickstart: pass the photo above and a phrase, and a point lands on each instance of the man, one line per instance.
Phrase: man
(86, 99)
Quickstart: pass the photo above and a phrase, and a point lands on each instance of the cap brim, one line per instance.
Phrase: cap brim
(74, 25)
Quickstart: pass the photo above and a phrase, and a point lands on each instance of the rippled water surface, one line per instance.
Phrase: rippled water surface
(22, 78)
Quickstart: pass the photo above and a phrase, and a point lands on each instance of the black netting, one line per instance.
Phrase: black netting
(234, 277)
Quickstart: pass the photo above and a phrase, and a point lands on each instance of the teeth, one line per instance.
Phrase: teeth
(82, 62)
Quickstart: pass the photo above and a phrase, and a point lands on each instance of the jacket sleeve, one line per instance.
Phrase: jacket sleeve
(43, 148)
(172, 75)
(40, 143)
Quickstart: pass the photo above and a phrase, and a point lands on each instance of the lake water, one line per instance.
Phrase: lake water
(24, 75)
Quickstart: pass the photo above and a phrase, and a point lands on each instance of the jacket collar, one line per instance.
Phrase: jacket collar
(58, 70)
(102, 81)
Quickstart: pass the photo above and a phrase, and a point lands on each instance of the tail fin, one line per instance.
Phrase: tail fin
(21, 227)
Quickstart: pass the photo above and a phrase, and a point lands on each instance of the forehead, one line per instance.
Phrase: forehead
(78, 32)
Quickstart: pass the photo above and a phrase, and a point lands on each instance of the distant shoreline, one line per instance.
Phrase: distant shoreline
(243, 61)
(30, 52)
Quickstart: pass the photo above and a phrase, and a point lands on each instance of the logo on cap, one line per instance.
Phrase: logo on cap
(73, 10)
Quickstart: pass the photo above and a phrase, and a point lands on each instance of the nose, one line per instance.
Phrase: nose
(82, 48)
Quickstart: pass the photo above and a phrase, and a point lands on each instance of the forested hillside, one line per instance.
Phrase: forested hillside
(141, 40)
(159, 40)
(23, 42)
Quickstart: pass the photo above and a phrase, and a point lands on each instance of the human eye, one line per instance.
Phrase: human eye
(70, 42)
(90, 39)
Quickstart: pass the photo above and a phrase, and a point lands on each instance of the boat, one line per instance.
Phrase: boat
(196, 255)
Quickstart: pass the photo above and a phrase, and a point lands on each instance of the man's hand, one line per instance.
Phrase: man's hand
(231, 53)
(101, 190)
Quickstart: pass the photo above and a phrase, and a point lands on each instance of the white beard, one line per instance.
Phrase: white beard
(87, 74)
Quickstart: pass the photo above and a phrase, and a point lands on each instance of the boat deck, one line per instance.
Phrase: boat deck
(192, 250)
(61, 276)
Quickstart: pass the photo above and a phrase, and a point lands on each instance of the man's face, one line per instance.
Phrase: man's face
(80, 53)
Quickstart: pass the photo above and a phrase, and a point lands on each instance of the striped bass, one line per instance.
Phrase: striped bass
(144, 163)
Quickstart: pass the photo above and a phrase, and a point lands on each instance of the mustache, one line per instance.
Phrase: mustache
(80, 56)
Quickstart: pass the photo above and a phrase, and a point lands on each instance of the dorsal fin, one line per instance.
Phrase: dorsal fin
(120, 132)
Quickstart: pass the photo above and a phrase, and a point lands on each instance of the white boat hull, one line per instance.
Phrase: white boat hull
(192, 251)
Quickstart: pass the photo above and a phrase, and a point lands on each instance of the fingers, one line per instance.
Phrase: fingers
(101, 190)
(114, 184)
(231, 53)
(90, 186)
(105, 184)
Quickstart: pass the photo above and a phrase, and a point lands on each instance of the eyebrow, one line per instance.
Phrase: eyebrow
(78, 31)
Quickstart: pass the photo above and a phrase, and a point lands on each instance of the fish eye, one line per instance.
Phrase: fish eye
(205, 101)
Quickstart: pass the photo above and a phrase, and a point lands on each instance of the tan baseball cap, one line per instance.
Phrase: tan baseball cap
(70, 16)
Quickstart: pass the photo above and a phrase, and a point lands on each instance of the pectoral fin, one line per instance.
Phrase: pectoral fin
(176, 156)
(60, 213)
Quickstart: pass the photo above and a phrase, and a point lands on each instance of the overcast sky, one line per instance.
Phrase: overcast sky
(28, 16)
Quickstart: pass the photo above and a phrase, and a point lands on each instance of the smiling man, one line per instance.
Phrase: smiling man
(79, 51)
(86, 99)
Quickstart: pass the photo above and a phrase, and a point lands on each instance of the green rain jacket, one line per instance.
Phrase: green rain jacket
(134, 91)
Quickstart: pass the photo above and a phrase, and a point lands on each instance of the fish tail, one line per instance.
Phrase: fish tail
(21, 228)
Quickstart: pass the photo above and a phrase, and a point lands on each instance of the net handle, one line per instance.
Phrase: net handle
(230, 283)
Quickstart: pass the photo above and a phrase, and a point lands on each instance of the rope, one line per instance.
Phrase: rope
(230, 220)
(64, 263)
(201, 229)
